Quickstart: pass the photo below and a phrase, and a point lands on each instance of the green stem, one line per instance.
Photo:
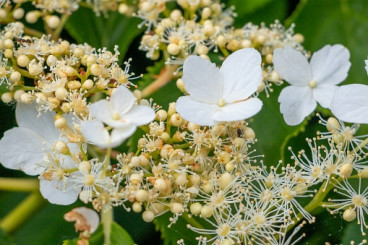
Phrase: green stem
(107, 160)
(22, 185)
(291, 19)
(107, 217)
(58, 30)
(186, 145)
(22, 212)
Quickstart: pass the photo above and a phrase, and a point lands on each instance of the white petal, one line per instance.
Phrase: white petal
(27, 117)
(51, 190)
(140, 115)
(242, 74)
(323, 94)
(330, 65)
(95, 133)
(22, 149)
(296, 103)
(350, 103)
(202, 79)
(102, 110)
(122, 99)
(196, 112)
(119, 135)
(292, 66)
(238, 111)
(366, 65)
(91, 217)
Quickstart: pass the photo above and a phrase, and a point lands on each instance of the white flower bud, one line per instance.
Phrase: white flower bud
(248, 133)
(206, 211)
(138, 94)
(173, 49)
(135, 179)
(345, 170)
(8, 43)
(135, 161)
(17, 94)
(181, 179)
(8, 53)
(123, 8)
(3, 14)
(161, 115)
(246, 43)
(194, 179)
(32, 16)
(269, 58)
(6, 97)
(229, 167)
(148, 216)
(160, 184)
(52, 21)
(61, 93)
(62, 147)
(206, 13)
(26, 98)
(35, 69)
(96, 69)
(176, 208)
(73, 85)
(176, 15)
(141, 195)
(23, 61)
(88, 84)
(137, 207)
(51, 60)
(18, 13)
(225, 180)
(60, 122)
(196, 208)
(176, 120)
(349, 215)
(333, 125)
(143, 160)
(15, 77)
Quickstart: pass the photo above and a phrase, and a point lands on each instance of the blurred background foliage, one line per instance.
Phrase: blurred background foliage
(320, 21)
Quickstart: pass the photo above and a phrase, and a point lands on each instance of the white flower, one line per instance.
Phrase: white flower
(350, 103)
(121, 112)
(30, 148)
(221, 95)
(310, 82)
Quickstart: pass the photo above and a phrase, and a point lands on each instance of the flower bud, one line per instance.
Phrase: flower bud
(18, 13)
(148, 216)
(225, 180)
(161, 115)
(349, 215)
(6, 97)
(17, 94)
(345, 170)
(23, 61)
(176, 208)
(32, 16)
(26, 98)
(196, 208)
(137, 207)
(206, 211)
(52, 21)
(176, 120)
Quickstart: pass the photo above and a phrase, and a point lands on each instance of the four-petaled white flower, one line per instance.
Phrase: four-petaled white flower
(310, 82)
(221, 95)
(121, 113)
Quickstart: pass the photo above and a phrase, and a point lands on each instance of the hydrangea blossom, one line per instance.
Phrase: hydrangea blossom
(221, 95)
(310, 82)
(121, 113)
(36, 139)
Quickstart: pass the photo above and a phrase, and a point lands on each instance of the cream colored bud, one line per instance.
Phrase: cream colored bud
(91, 59)
(364, 173)
(137, 207)
(26, 98)
(180, 84)
(35, 69)
(8, 53)
(66, 107)
(333, 125)
(221, 41)
(269, 58)
(15, 77)
(176, 15)
(8, 43)
(206, 13)
(78, 52)
(142, 142)
(147, 6)
(60, 122)
(73, 85)
(61, 93)
(160, 184)
(193, 127)
(349, 215)
(176, 208)
(246, 43)
(176, 120)
(62, 147)
(18, 13)
(171, 109)
(165, 136)
(206, 211)
(51, 60)
(6, 97)
(161, 115)
(17, 94)
(88, 84)
(196, 208)
(52, 21)
(233, 45)
(144, 161)
(345, 170)
(32, 16)
(135, 179)
(135, 161)
(148, 216)
(229, 167)
(298, 38)
(225, 180)
(141, 195)
(202, 50)
(261, 39)
(96, 69)
(194, 180)
(181, 179)
(3, 14)
(144, 102)
(239, 142)
(123, 8)
(248, 133)
(137, 94)
(223, 157)
(173, 49)
(23, 61)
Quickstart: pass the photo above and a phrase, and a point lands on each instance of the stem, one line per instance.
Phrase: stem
(296, 13)
(107, 160)
(32, 32)
(22, 212)
(58, 30)
(22, 185)
(166, 75)
(107, 217)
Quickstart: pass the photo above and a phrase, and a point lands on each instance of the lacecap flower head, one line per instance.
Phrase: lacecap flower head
(221, 95)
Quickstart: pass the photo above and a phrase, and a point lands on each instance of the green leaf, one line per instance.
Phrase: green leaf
(118, 236)
(258, 11)
(116, 29)
(271, 130)
(330, 22)
(5, 239)
(352, 232)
